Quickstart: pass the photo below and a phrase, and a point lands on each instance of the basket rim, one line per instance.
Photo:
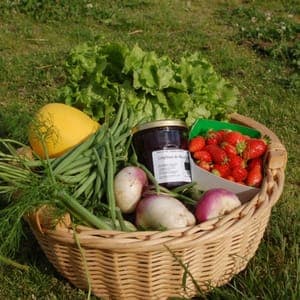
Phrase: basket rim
(261, 203)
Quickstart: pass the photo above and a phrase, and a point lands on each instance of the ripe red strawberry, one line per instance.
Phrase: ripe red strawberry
(236, 161)
(204, 165)
(221, 170)
(214, 137)
(196, 144)
(252, 163)
(255, 176)
(234, 138)
(202, 155)
(254, 148)
(228, 148)
(239, 174)
(218, 155)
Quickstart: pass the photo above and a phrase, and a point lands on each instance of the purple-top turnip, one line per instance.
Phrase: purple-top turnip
(214, 203)
(161, 211)
(129, 184)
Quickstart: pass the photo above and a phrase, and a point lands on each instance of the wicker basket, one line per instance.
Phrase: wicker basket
(138, 265)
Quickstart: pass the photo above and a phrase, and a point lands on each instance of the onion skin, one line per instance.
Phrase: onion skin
(160, 211)
(215, 203)
(129, 184)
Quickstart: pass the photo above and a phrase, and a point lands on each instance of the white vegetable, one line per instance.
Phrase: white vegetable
(215, 203)
(129, 184)
(160, 211)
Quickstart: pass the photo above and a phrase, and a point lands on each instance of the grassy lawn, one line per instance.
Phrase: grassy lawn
(253, 44)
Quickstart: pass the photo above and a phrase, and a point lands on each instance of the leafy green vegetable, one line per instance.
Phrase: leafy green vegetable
(100, 76)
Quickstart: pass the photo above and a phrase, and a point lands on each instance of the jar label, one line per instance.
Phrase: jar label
(171, 165)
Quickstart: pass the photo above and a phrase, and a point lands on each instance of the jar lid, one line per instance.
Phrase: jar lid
(160, 123)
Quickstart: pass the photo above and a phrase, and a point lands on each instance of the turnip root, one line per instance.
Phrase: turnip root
(215, 203)
(129, 184)
(161, 211)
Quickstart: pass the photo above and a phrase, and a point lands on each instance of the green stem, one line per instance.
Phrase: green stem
(84, 261)
(13, 263)
(179, 196)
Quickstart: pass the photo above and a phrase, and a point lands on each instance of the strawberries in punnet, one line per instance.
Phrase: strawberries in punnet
(230, 155)
(196, 144)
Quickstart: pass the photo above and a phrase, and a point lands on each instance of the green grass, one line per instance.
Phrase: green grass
(260, 61)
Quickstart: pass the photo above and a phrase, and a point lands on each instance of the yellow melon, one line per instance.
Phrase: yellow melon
(59, 127)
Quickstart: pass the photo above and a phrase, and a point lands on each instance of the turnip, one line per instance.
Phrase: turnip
(161, 211)
(129, 184)
(215, 203)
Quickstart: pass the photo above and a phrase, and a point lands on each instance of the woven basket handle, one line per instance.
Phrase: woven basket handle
(277, 154)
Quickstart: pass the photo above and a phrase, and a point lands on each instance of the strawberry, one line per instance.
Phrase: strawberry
(234, 138)
(202, 155)
(204, 165)
(255, 176)
(221, 170)
(218, 155)
(239, 174)
(228, 148)
(196, 144)
(252, 163)
(214, 137)
(236, 161)
(254, 148)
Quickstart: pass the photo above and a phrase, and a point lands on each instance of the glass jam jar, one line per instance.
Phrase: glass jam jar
(162, 146)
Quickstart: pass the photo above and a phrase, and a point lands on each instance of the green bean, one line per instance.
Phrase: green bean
(97, 187)
(113, 154)
(131, 119)
(119, 130)
(84, 185)
(110, 186)
(100, 136)
(88, 193)
(120, 219)
(63, 161)
(121, 139)
(73, 179)
(100, 167)
(127, 146)
(79, 169)
(118, 117)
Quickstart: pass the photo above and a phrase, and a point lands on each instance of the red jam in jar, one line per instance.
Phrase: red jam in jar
(162, 146)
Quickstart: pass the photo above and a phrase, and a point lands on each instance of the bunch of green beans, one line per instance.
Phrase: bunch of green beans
(88, 170)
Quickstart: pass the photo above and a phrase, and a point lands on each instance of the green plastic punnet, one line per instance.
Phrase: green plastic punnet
(202, 126)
